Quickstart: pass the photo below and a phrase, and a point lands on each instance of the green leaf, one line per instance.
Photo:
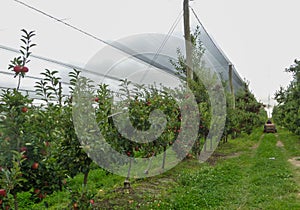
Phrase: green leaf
(24, 41)
(25, 37)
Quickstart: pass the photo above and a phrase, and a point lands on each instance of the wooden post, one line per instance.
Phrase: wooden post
(164, 158)
(231, 85)
(127, 180)
(188, 43)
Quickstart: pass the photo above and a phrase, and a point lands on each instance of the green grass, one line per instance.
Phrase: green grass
(251, 173)
(291, 142)
(99, 183)
(271, 184)
(253, 180)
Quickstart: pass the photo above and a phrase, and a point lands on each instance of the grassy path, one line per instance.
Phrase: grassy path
(268, 178)
(257, 176)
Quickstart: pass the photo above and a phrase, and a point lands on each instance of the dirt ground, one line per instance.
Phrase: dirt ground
(295, 161)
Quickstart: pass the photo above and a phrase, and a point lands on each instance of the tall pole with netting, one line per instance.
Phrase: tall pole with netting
(187, 36)
(231, 85)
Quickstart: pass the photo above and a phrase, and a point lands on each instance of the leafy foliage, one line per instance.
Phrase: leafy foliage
(287, 112)
(18, 64)
(39, 145)
(247, 114)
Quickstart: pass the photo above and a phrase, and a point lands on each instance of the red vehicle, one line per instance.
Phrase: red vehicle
(269, 127)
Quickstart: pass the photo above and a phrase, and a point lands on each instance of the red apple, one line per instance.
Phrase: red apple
(37, 191)
(24, 157)
(189, 155)
(128, 154)
(42, 195)
(96, 99)
(23, 149)
(92, 201)
(24, 109)
(3, 192)
(35, 165)
(17, 69)
(24, 69)
(47, 143)
(75, 205)
(43, 152)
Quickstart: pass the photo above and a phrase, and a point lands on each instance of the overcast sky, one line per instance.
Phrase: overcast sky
(260, 37)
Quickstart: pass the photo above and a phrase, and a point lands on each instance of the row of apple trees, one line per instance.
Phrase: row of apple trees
(38, 146)
(287, 112)
(38, 142)
(244, 112)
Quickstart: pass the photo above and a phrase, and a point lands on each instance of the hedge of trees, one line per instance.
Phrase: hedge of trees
(287, 112)
(39, 142)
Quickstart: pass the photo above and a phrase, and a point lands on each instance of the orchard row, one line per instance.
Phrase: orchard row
(39, 145)
(287, 112)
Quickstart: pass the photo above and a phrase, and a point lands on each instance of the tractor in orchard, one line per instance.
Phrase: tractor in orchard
(270, 127)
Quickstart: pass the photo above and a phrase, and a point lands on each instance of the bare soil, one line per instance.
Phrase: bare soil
(279, 144)
(295, 161)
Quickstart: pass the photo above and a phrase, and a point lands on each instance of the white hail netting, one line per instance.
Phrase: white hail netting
(157, 63)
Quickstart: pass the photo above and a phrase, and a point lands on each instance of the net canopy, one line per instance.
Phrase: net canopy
(142, 58)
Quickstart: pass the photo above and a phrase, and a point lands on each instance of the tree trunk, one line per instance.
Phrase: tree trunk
(19, 82)
(127, 180)
(15, 200)
(85, 178)
(164, 158)
(150, 164)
